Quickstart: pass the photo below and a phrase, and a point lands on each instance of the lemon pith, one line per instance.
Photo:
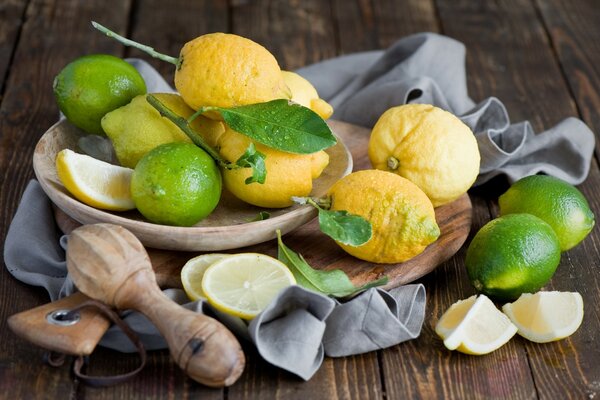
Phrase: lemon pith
(94, 182)
(193, 272)
(475, 326)
(244, 284)
(546, 316)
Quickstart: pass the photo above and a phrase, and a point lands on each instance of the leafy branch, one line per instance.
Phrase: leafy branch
(250, 159)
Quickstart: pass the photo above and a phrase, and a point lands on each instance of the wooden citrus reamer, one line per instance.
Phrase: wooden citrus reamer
(108, 263)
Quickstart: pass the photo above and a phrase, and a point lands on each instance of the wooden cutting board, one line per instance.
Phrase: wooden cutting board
(320, 251)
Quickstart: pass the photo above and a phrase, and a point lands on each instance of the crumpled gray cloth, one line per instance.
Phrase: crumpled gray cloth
(430, 68)
(289, 333)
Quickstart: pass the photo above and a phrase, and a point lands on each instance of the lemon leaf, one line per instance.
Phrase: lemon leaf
(333, 283)
(280, 124)
(254, 159)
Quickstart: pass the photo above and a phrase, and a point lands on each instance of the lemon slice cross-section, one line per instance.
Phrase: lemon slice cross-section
(94, 182)
(475, 326)
(244, 284)
(193, 272)
(546, 316)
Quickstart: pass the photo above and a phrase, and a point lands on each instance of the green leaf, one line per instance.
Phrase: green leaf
(346, 228)
(332, 283)
(260, 217)
(280, 124)
(254, 159)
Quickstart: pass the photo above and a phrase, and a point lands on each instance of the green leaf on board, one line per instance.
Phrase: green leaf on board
(346, 228)
(333, 283)
(280, 124)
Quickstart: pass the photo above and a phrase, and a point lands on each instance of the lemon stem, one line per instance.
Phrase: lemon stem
(183, 124)
(128, 42)
(393, 163)
(322, 203)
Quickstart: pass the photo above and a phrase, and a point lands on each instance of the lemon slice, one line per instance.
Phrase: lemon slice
(193, 271)
(244, 284)
(474, 326)
(94, 182)
(546, 316)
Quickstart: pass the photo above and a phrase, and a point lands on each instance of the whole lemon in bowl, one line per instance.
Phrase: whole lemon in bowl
(227, 70)
(287, 174)
(137, 127)
(429, 146)
(304, 93)
(401, 216)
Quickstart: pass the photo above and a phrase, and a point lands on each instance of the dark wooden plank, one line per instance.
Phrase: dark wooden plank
(11, 20)
(368, 25)
(344, 378)
(510, 56)
(296, 32)
(51, 36)
(574, 29)
(166, 26)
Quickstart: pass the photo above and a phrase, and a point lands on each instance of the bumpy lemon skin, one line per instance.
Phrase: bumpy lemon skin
(432, 147)
(226, 70)
(401, 215)
(287, 174)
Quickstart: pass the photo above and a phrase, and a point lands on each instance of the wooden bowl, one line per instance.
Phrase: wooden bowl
(226, 228)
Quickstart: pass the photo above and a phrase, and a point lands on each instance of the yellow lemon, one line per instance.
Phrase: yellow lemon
(137, 128)
(429, 146)
(546, 316)
(287, 174)
(474, 326)
(226, 70)
(94, 182)
(401, 215)
(318, 162)
(244, 284)
(304, 93)
(193, 272)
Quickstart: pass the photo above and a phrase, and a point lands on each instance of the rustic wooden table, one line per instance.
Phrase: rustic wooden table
(540, 57)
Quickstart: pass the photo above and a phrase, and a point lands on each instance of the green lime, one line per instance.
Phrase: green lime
(555, 201)
(176, 184)
(511, 255)
(93, 85)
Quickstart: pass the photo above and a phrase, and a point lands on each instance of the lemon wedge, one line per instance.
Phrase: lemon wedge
(244, 284)
(94, 182)
(193, 272)
(475, 326)
(546, 316)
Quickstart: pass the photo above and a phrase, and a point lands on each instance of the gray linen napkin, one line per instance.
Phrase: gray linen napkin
(430, 68)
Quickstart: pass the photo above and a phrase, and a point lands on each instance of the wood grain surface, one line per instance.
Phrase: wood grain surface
(540, 57)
